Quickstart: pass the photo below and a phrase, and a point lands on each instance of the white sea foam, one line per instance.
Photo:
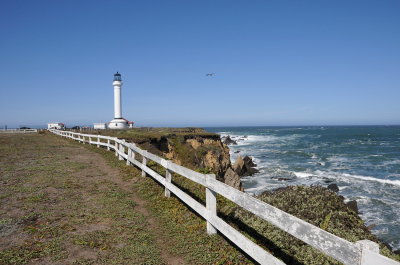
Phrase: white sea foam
(338, 159)
(349, 177)
(247, 139)
(368, 178)
(303, 174)
(392, 162)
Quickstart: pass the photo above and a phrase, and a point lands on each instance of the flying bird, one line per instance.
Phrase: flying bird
(210, 74)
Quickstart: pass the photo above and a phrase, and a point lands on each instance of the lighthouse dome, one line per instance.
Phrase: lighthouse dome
(117, 77)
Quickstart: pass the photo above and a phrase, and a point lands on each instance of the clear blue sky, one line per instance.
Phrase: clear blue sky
(276, 62)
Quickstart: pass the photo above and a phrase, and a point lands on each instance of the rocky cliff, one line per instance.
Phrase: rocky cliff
(193, 148)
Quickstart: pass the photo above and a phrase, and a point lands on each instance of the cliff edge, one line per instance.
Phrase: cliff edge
(193, 148)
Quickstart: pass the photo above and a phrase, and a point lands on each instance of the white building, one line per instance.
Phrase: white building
(118, 122)
(99, 126)
(56, 125)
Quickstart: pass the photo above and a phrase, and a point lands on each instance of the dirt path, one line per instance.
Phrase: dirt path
(113, 175)
(63, 204)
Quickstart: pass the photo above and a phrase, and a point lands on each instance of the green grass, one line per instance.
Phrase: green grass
(48, 207)
(149, 133)
(185, 229)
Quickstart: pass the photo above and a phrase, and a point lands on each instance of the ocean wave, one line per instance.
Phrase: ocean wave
(348, 177)
(344, 176)
(243, 139)
(392, 162)
(303, 174)
(368, 178)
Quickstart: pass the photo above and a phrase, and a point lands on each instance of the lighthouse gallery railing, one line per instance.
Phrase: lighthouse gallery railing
(362, 252)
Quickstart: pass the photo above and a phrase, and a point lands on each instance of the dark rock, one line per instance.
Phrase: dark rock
(245, 166)
(333, 187)
(249, 161)
(352, 205)
(285, 176)
(284, 179)
(229, 141)
(232, 179)
(328, 180)
(236, 152)
(397, 252)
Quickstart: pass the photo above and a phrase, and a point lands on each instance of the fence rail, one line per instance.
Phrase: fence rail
(362, 252)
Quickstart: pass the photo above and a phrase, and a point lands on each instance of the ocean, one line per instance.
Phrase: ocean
(364, 161)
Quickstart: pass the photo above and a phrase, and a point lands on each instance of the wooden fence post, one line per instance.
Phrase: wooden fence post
(144, 163)
(83, 139)
(128, 162)
(90, 140)
(211, 205)
(116, 148)
(122, 150)
(366, 247)
(132, 155)
(98, 141)
(108, 144)
(168, 178)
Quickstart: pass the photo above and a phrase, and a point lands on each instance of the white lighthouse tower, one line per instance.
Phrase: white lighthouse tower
(118, 122)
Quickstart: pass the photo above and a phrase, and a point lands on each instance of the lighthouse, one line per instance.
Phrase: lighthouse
(118, 122)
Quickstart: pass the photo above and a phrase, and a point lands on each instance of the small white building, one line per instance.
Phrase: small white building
(99, 126)
(55, 125)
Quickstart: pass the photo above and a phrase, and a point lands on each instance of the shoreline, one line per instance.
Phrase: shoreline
(243, 149)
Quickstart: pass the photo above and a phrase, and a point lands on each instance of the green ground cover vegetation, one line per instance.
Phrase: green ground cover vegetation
(58, 205)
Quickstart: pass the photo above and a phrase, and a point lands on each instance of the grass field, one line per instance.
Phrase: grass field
(62, 203)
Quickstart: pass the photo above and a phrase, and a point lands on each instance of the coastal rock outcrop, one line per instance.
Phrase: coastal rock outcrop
(229, 141)
(193, 148)
(316, 205)
(353, 206)
(207, 154)
(232, 179)
(244, 166)
(333, 187)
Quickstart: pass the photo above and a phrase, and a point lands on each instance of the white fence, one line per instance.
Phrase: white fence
(18, 131)
(362, 252)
